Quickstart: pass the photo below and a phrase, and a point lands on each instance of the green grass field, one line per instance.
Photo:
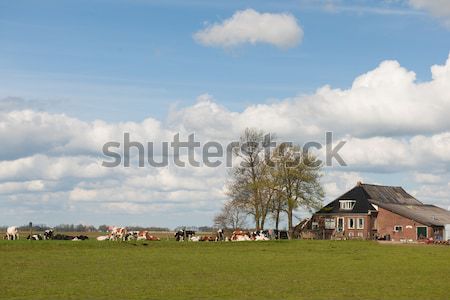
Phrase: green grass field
(242, 270)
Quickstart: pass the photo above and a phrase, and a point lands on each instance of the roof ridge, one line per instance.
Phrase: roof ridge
(392, 186)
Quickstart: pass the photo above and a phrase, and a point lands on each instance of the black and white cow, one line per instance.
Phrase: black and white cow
(48, 234)
(35, 237)
(182, 234)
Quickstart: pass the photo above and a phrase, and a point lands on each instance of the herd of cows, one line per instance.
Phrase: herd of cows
(122, 234)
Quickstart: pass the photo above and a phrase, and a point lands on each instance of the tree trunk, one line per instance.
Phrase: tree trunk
(290, 226)
(277, 220)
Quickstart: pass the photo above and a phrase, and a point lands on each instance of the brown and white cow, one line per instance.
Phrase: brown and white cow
(239, 235)
(118, 233)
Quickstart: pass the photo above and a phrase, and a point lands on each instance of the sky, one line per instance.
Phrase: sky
(75, 75)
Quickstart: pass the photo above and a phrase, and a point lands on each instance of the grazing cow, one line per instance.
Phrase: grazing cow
(118, 233)
(182, 234)
(239, 235)
(12, 233)
(48, 234)
(35, 237)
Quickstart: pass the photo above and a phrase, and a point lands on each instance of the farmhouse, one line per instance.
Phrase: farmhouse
(370, 211)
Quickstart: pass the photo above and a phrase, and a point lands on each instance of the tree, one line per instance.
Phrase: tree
(247, 179)
(231, 216)
(297, 176)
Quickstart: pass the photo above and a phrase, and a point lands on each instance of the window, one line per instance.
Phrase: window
(398, 228)
(360, 224)
(340, 225)
(315, 225)
(351, 223)
(330, 224)
(347, 204)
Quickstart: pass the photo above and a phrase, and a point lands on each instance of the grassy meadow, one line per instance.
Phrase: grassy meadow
(241, 270)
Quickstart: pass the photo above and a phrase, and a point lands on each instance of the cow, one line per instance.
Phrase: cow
(12, 233)
(35, 237)
(239, 235)
(119, 233)
(220, 235)
(104, 238)
(145, 235)
(206, 239)
(260, 235)
(48, 234)
(182, 234)
(63, 237)
(195, 239)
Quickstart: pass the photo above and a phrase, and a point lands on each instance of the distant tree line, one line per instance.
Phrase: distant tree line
(81, 228)
(269, 185)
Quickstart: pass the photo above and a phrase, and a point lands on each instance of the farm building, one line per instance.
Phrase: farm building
(370, 211)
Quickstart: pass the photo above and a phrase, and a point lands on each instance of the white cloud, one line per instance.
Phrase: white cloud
(251, 27)
(391, 124)
(427, 178)
(437, 8)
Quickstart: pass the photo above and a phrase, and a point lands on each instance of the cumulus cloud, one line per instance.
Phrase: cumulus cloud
(251, 27)
(391, 123)
(437, 8)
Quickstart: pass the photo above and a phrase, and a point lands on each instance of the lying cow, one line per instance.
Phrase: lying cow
(63, 237)
(182, 234)
(48, 234)
(239, 235)
(35, 237)
(207, 239)
(119, 233)
(12, 233)
(104, 238)
(260, 235)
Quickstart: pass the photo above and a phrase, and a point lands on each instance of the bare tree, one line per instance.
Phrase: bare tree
(231, 216)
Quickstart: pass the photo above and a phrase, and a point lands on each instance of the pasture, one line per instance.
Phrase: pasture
(232, 270)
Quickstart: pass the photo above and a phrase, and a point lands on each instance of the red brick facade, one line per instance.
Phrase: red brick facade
(387, 220)
(381, 224)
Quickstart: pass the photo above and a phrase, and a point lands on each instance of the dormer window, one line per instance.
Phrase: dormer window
(347, 204)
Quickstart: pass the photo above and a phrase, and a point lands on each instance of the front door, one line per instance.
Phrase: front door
(340, 225)
(421, 233)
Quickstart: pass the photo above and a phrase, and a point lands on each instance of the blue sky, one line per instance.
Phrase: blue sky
(73, 74)
(140, 57)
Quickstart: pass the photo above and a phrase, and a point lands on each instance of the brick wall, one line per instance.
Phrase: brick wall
(386, 221)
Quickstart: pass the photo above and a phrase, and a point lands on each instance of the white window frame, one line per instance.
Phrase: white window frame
(357, 223)
(328, 222)
(346, 204)
(396, 230)
(348, 225)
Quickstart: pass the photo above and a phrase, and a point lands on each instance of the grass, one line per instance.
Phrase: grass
(244, 270)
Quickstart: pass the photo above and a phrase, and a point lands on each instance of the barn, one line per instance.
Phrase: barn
(369, 211)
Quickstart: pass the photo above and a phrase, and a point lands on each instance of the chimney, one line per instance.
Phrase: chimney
(359, 183)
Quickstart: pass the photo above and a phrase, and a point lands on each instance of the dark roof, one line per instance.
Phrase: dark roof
(426, 214)
(392, 198)
(389, 194)
(362, 204)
